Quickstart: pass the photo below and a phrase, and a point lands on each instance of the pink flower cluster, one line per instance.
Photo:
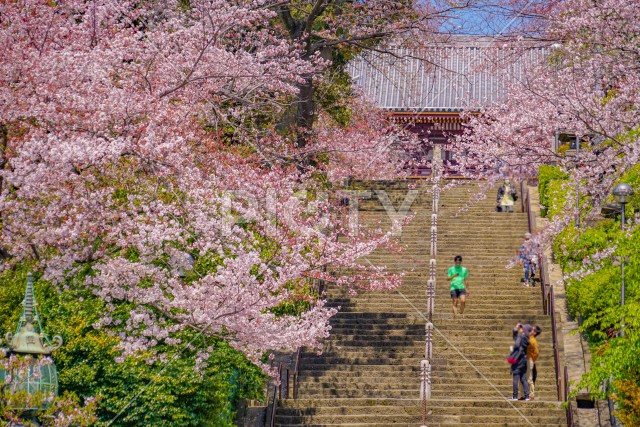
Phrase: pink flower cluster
(137, 130)
(588, 87)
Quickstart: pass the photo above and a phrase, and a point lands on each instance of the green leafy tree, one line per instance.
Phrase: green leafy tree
(594, 278)
(180, 388)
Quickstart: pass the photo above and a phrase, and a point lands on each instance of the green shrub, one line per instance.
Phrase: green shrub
(629, 396)
(632, 177)
(559, 194)
(571, 246)
(546, 175)
(596, 296)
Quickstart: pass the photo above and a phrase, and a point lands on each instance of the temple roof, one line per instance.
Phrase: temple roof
(457, 74)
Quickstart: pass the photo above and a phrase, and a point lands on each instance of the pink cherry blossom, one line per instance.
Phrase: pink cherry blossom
(141, 131)
(589, 86)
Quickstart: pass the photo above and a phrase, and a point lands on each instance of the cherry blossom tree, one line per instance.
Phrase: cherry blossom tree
(588, 87)
(140, 147)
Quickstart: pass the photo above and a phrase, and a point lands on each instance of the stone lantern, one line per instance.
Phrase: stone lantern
(41, 377)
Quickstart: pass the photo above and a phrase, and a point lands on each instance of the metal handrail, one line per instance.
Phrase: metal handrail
(277, 390)
(286, 375)
(289, 377)
(566, 398)
(554, 331)
(425, 364)
(296, 368)
(544, 284)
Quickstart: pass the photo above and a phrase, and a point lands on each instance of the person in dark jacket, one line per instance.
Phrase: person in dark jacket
(507, 197)
(518, 359)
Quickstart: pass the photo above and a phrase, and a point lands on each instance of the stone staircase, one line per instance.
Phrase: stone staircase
(368, 373)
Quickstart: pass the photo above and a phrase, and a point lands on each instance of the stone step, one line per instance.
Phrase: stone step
(473, 303)
(478, 300)
(415, 322)
(440, 412)
(499, 388)
(411, 392)
(440, 381)
(489, 402)
(486, 365)
(369, 352)
(415, 309)
(312, 369)
(322, 360)
(475, 381)
(463, 420)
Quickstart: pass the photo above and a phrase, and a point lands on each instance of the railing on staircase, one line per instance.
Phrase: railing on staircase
(425, 364)
(566, 398)
(273, 406)
(287, 374)
(287, 386)
(548, 296)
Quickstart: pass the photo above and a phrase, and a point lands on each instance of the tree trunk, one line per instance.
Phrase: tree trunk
(4, 139)
(305, 110)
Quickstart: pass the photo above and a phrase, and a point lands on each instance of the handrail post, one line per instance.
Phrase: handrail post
(528, 205)
(434, 241)
(287, 385)
(554, 333)
(425, 387)
(274, 405)
(280, 378)
(566, 398)
(296, 369)
(431, 303)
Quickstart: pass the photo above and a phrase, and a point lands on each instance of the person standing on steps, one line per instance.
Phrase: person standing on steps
(528, 259)
(459, 287)
(532, 355)
(507, 196)
(518, 359)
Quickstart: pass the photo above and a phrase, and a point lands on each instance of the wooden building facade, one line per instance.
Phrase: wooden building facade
(427, 88)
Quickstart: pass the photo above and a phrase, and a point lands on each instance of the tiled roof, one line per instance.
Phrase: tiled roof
(450, 76)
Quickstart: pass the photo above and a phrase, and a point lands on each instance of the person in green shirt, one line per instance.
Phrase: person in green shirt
(459, 287)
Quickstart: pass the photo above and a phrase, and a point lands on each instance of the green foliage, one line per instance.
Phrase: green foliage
(632, 177)
(302, 292)
(571, 246)
(548, 174)
(617, 357)
(332, 92)
(559, 194)
(597, 297)
(629, 396)
(562, 149)
(138, 390)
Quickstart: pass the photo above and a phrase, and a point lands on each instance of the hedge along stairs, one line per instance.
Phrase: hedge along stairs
(369, 371)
